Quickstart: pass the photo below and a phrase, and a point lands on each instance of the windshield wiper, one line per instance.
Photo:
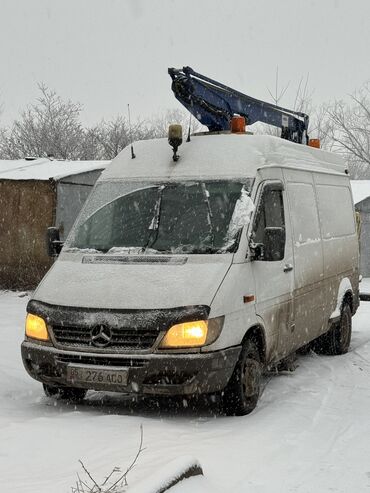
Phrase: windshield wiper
(154, 225)
(87, 249)
(209, 215)
(204, 249)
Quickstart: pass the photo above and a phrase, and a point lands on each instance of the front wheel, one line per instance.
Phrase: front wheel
(65, 393)
(243, 390)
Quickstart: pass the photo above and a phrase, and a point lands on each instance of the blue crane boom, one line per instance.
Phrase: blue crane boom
(214, 104)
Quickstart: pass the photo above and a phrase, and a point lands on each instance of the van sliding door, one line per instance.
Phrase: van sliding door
(309, 311)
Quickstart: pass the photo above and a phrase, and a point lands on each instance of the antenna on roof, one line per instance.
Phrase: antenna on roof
(130, 130)
(188, 139)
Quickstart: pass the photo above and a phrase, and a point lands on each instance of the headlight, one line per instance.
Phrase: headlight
(36, 327)
(193, 334)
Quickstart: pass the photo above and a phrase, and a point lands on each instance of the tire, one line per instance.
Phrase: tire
(65, 393)
(243, 390)
(339, 336)
(337, 340)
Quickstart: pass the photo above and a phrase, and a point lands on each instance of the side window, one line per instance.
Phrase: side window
(304, 217)
(335, 211)
(269, 225)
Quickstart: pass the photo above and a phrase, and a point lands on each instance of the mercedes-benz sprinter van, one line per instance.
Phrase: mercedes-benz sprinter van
(191, 277)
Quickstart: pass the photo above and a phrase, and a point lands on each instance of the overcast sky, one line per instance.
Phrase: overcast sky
(106, 53)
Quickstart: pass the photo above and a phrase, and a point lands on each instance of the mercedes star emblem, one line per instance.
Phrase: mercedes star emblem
(101, 335)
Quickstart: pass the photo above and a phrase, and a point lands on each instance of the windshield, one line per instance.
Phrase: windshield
(196, 217)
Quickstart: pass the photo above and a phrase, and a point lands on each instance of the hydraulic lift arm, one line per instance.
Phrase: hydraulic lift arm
(214, 104)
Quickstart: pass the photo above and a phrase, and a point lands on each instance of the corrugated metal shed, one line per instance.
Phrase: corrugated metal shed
(361, 198)
(46, 169)
(34, 195)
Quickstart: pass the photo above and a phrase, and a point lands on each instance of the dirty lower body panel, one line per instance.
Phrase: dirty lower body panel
(155, 374)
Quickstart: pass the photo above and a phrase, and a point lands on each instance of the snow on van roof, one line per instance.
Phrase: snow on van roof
(216, 156)
(360, 190)
(44, 169)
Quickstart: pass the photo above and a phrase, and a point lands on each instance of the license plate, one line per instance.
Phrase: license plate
(97, 376)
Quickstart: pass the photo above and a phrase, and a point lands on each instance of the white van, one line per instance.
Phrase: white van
(190, 277)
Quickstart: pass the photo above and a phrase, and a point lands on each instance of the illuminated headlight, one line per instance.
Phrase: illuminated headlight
(193, 334)
(36, 328)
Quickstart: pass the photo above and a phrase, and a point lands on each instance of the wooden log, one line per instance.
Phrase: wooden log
(167, 477)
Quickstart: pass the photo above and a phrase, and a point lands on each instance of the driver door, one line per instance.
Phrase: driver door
(273, 273)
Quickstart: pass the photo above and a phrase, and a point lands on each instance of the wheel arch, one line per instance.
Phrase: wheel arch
(348, 299)
(345, 295)
(257, 333)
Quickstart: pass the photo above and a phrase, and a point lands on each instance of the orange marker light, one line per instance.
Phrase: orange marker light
(237, 124)
(314, 143)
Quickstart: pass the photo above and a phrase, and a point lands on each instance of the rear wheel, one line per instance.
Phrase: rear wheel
(337, 340)
(65, 393)
(339, 336)
(243, 390)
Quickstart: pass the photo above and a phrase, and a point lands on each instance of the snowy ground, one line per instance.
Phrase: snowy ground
(310, 432)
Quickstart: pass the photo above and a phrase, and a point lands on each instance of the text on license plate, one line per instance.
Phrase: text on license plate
(96, 375)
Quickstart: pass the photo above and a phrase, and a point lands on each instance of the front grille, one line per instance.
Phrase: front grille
(122, 338)
(101, 360)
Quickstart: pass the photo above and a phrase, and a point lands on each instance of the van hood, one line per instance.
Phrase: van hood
(133, 282)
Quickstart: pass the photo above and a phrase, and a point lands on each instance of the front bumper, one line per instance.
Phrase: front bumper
(155, 374)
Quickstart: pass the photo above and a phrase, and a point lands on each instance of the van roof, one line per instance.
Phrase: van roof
(216, 156)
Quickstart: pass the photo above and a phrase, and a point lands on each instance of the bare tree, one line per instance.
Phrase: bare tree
(114, 135)
(302, 103)
(343, 126)
(319, 122)
(51, 127)
(158, 125)
(91, 147)
(320, 126)
(348, 127)
(110, 137)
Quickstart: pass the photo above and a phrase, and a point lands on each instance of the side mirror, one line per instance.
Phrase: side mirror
(274, 243)
(53, 243)
(257, 251)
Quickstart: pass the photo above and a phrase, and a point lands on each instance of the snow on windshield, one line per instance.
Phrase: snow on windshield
(241, 215)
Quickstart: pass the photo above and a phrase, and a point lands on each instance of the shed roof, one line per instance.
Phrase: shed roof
(360, 190)
(216, 156)
(44, 169)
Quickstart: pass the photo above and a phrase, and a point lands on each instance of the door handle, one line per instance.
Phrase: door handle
(288, 267)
